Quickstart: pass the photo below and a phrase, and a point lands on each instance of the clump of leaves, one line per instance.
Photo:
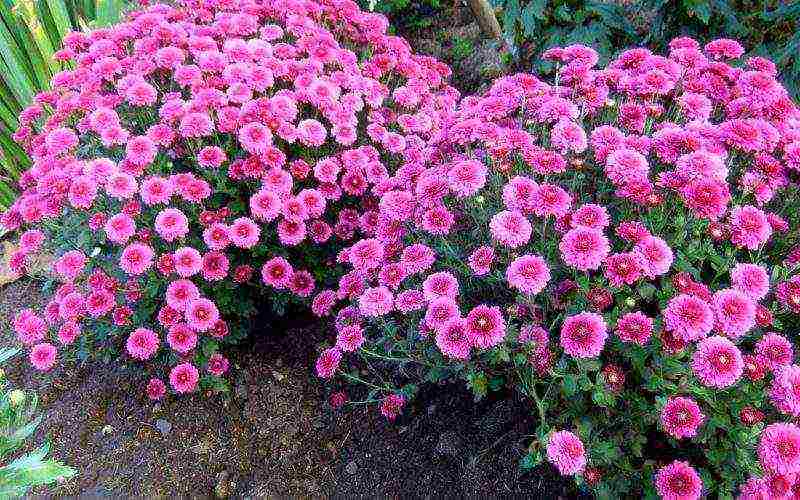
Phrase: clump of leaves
(534, 26)
(18, 421)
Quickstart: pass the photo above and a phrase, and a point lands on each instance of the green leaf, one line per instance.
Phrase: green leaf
(698, 8)
(570, 385)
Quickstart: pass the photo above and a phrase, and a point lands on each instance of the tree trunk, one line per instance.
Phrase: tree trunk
(484, 14)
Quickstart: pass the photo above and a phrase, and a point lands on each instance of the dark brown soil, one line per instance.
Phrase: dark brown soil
(273, 435)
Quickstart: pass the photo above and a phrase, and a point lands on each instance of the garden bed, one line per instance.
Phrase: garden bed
(272, 435)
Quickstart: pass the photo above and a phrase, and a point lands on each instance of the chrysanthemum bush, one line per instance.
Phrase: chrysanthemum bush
(617, 246)
(197, 157)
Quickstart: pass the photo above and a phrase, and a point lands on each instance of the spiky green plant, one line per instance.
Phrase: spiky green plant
(30, 32)
(19, 472)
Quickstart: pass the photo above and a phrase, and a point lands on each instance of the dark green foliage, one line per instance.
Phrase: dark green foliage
(767, 28)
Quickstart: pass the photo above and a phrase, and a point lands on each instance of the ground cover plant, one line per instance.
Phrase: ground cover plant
(619, 247)
(198, 153)
(22, 470)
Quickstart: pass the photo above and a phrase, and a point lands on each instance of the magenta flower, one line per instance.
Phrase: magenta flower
(452, 339)
(681, 417)
(635, 327)
(678, 481)
(43, 356)
(529, 274)
(584, 249)
(565, 450)
(481, 259)
(511, 229)
(328, 362)
(376, 301)
(750, 279)
(485, 326)
(735, 312)
(779, 448)
(774, 351)
(717, 362)
(142, 344)
(688, 317)
(584, 335)
(750, 227)
(184, 377)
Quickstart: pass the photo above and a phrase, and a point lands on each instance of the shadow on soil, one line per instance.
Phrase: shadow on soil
(273, 435)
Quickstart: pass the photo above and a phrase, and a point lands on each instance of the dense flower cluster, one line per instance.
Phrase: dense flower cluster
(194, 154)
(618, 247)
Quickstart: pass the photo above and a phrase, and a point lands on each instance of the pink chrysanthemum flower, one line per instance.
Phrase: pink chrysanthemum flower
(529, 274)
(217, 364)
(452, 339)
(688, 317)
(551, 200)
(750, 279)
(584, 249)
(466, 177)
(119, 228)
(417, 258)
(485, 326)
(565, 450)
(622, 269)
(181, 338)
(376, 301)
(31, 240)
(136, 258)
(244, 233)
(678, 481)
(480, 260)
(635, 327)
(43, 356)
(749, 227)
(184, 377)
(328, 362)
(392, 405)
(785, 390)
(437, 220)
(441, 284)
(366, 254)
(171, 224)
(440, 311)
(681, 417)
(188, 261)
(511, 229)
(277, 272)
(350, 338)
(735, 312)
(180, 293)
(584, 335)
(774, 351)
(142, 344)
(409, 300)
(590, 216)
(156, 389)
(655, 256)
(29, 327)
(202, 314)
(518, 194)
(779, 448)
(71, 264)
(717, 362)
